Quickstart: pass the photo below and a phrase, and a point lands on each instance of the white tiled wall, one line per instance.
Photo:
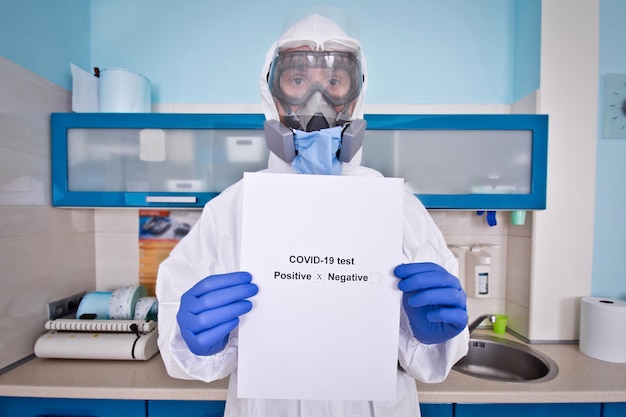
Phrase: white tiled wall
(45, 253)
(518, 259)
(117, 248)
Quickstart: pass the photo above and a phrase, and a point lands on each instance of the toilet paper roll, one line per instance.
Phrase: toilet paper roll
(124, 300)
(123, 91)
(94, 305)
(603, 329)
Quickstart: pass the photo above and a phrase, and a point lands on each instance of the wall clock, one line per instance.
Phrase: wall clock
(615, 106)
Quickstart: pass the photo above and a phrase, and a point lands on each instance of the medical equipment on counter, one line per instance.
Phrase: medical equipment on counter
(98, 339)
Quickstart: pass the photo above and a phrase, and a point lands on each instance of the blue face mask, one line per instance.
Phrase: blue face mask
(317, 151)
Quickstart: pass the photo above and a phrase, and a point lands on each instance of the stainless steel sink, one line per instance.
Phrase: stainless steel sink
(504, 360)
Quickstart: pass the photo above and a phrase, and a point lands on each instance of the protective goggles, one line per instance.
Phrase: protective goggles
(295, 76)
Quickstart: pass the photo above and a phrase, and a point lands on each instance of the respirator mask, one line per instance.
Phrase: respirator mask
(314, 92)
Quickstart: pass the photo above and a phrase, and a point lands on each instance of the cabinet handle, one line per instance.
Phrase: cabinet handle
(170, 199)
(59, 415)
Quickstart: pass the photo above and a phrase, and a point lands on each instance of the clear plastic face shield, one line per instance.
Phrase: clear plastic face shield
(315, 77)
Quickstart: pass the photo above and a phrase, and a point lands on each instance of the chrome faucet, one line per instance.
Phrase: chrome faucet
(473, 325)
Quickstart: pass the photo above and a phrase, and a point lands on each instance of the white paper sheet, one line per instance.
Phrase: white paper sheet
(325, 321)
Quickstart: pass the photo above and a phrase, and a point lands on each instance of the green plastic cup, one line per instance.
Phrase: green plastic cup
(499, 326)
(518, 217)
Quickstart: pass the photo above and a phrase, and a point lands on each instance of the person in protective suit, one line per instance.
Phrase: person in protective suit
(312, 86)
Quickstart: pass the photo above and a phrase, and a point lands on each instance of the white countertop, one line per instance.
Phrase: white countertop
(580, 379)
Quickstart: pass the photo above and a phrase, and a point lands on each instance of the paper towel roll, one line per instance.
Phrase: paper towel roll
(123, 91)
(603, 329)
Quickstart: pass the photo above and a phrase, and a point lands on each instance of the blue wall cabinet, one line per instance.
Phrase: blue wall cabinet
(613, 409)
(171, 408)
(525, 410)
(64, 407)
(151, 160)
(469, 162)
(436, 410)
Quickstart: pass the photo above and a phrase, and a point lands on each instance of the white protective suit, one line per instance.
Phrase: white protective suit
(212, 247)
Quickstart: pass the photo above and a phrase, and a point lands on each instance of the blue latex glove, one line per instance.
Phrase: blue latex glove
(433, 300)
(210, 310)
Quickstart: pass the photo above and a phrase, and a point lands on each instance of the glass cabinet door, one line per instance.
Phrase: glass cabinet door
(453, 161)
(162, 160)
(463, 161)
(151, 159)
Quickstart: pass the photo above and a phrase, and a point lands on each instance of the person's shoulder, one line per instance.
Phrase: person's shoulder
(226, 197)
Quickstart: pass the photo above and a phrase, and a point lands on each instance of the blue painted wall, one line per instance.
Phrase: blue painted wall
(609, 260)
(527, 47)
(419, 51)
(452, 51)
(446, 51)
(44, 36)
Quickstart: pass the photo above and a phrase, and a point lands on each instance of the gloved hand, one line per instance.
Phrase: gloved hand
(433, 300)
(210, 310)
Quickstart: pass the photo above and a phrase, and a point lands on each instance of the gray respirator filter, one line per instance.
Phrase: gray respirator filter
(280, 140)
